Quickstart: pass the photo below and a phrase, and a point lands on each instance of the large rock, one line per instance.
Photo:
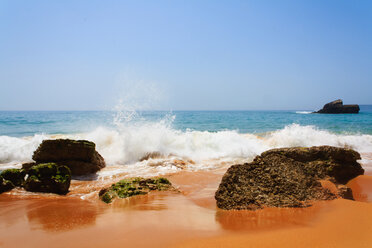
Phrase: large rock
(337, 107)
(288, 177)
(48, 178)
(79, 155)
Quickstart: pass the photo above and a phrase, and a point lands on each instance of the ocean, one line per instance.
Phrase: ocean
(191, 140)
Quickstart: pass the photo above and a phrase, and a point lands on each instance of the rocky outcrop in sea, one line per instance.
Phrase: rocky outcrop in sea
(337, 107)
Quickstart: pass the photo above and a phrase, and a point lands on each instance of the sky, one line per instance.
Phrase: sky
(184, 55)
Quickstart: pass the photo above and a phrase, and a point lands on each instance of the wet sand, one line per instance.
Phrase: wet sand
(341, 223)
(186, 219)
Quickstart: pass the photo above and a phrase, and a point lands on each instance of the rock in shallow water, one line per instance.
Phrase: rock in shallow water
(288, 177)
(79, 155)
(48, 178)
(134, 186)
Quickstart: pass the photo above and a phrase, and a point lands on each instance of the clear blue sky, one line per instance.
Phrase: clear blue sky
(184, 55)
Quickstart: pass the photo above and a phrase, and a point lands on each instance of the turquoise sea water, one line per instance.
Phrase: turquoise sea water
(20, 123)
(209, 138)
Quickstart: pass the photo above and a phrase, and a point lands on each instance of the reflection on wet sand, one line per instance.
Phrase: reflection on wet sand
(61, 214)
(199, 187)
(266, 219)
(345, 223)
(362, 188)
(12, 210)
(152, 201)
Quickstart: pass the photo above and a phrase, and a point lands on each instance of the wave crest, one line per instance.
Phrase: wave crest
(126, 145)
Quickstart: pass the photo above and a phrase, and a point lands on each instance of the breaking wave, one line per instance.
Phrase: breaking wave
(125, 146)
(303, 112)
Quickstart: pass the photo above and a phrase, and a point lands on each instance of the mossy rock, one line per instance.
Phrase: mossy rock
(48, 178)
(5, 185)
(133, 186)
(16, 176)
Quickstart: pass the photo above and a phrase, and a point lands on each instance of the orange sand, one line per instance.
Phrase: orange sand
(187, 219)
(346, 224)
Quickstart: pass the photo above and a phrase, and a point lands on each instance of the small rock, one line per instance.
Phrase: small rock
(16, 176)
(5, 185)
(48, 178)
(134, 186)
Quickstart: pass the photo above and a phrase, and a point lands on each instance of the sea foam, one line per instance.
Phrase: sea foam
(126, 145)
(303, 112)
(15, 150)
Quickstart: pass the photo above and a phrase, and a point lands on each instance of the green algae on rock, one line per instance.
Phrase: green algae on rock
(48, 178)
(5, 185)
(16, 176)
(134, 186)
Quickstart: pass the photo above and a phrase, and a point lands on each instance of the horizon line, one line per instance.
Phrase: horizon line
(161, 110)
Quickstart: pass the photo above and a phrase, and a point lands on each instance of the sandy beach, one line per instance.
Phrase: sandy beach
(185, 219)
(173, 124)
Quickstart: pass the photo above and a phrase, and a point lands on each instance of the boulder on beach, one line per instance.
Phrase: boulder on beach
(289, 177)
(79, 155)
(134, 186)
(48, 178)
(5, 185)
(16, 176)
(337, 107)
